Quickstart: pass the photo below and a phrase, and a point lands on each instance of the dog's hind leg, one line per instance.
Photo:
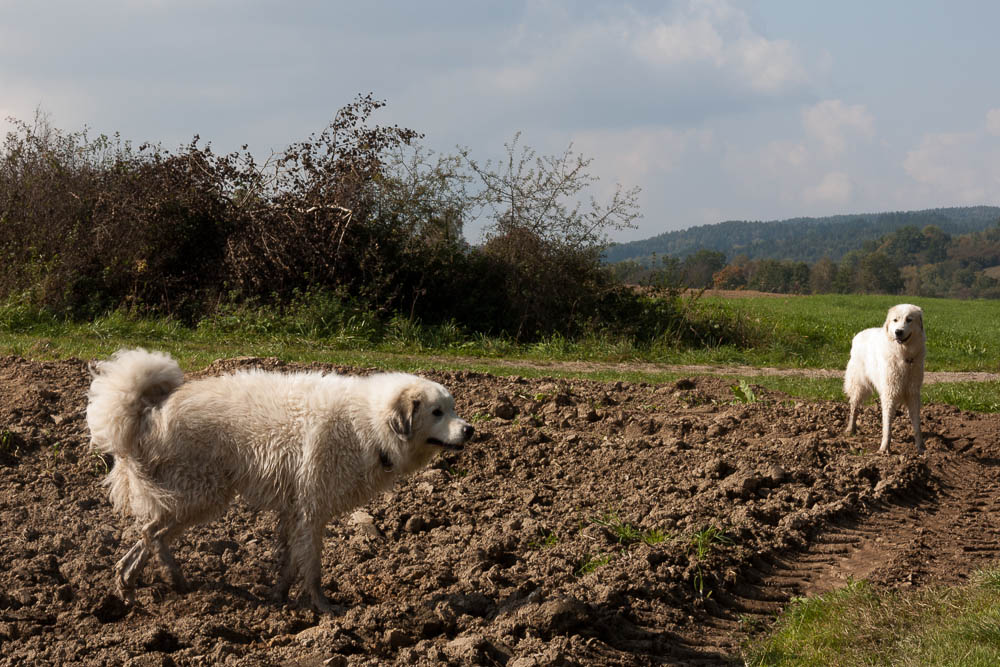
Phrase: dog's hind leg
(852, 418)
(286, 566)
(128, 568)
(857, 397)
(913, 407)
(158, 537)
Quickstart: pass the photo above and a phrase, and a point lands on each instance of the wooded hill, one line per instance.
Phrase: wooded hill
(800, 239)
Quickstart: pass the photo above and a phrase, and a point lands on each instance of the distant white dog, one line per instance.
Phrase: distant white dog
(889, 360)
(306, 445)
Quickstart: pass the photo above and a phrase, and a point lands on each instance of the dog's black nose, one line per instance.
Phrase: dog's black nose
(899, 333)
(467, 432)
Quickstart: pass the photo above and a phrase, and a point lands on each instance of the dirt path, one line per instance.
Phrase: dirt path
(930, 377)
(588, 523)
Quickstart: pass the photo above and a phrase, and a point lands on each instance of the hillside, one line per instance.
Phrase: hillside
(801, 239)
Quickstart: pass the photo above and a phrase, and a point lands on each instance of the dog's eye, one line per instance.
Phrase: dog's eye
(438, 412)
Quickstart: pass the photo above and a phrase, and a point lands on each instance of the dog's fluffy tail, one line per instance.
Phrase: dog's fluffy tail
(124, 390)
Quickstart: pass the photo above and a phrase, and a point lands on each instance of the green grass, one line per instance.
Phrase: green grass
(796, 332)
(623, 531)
(816, 331)
(591, 564)
(858, 625)
(544, 541)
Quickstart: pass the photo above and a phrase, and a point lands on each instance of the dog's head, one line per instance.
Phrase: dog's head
(422, 416)
(905, 324)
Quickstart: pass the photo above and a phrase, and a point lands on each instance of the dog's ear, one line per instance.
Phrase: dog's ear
(920, 317)
(401, 417)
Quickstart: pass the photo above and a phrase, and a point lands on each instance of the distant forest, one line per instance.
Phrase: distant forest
(948, 252)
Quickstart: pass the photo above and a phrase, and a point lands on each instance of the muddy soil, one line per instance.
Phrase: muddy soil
(587, 523)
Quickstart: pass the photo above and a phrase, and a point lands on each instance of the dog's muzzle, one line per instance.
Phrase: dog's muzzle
(899, 336)
(467, 433)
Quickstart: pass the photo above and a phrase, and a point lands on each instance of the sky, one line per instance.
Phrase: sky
(716, 109)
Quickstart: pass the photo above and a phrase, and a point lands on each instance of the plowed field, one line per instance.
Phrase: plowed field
(587, 523)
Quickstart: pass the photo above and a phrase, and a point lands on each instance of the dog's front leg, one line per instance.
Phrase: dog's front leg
(888, 410)
(305, 549)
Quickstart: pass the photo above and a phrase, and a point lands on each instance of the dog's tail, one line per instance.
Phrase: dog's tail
(122, 393)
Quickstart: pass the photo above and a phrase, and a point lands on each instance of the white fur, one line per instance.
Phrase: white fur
(890, 361)
(306, 445)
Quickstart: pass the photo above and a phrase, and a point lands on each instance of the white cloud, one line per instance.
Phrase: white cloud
(993, 122)
(716, 34)
(680, 43)
(584, 66)
(833, 123)
(962, 166)
(835, 188)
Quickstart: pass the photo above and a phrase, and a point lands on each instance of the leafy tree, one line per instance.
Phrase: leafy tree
(877, 274)
(699, 267)
(547, 234)
(822, 276)
(729, 277)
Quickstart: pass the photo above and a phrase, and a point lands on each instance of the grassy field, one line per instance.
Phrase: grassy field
(791, 332)
(857, 625)
(816, 331)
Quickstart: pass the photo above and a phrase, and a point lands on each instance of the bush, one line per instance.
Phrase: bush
(349, 235)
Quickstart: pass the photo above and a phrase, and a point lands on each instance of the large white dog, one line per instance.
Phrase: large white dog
(306, 445)
(889, 360)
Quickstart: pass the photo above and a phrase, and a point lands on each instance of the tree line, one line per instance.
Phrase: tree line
(921, 262)
(801, 239)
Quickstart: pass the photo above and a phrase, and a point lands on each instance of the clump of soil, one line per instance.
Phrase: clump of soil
(591, 523)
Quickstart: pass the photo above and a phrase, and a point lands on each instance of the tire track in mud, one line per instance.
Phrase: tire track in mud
(938, 529)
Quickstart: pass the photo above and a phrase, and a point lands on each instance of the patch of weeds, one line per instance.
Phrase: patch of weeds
(623, 531)
(100, 467)
(703, 543)
(480, 417)
(544, 541)
(541, 397)
(591, 563)
(56, 454)
(10, 445)
(626, 533)
(699, 584)
(655, 536)
(455, 472)
(744, 392)
(752, 624)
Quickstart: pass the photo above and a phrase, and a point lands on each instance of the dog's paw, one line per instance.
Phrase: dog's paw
(179, 583)
(321, 604)
(279, 594)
